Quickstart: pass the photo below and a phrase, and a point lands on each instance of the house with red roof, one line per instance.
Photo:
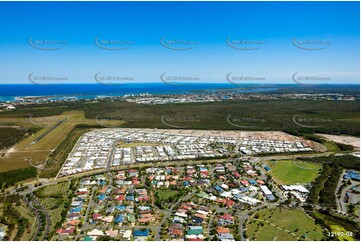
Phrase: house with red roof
(70, 230)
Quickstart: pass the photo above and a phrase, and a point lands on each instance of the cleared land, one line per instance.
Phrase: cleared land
(342, 139)
(288, 172)
(165, 194)
(283, 224)
(25, 154)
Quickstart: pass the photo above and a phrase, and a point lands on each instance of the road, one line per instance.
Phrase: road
(110, 157)
(168, 213)
(86, 218)
(37, 217)
(170, 163)
(47, 216)
(33, 204)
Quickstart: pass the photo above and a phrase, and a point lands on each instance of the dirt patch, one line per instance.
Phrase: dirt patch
(347, 140)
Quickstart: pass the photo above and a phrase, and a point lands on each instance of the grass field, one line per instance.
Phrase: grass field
(332, 147)
(25, 153)
(282, 224)
(289, 172)
(25, 212)
(52, 198)
(165, 194)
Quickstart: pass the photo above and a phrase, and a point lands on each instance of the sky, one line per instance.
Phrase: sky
(268, 42)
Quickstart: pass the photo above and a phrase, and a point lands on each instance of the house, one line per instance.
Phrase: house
(120, 198)
(225, 237)
(108, 219)
(127, 234)
(177, 219)
(141, 233)
(119, 218)
(68, 231)
(225, 219)
(218, 188)
(96, 216)
(101, 197)
(195, 231)
(71, 223)
(95, 232)
(197, 220)
(230, 203)
(222, 230)
(175, 232)
(133, 173)
(112, 233)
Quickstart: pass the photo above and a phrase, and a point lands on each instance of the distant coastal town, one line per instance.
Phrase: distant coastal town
(201, 97)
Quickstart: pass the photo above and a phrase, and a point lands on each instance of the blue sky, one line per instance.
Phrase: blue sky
(275, 24)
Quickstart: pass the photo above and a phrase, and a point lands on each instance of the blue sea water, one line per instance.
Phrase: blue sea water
(9, 92)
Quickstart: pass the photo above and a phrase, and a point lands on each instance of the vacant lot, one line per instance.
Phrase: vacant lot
(347, 140)
(283, 224)
(165, 194)
(289, 172)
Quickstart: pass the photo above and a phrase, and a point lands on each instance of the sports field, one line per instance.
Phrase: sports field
(288, 172)
(27, 153)
(282, 224)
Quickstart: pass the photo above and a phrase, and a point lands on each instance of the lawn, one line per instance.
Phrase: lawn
(267, 233)
(165, 194)
(285, 224)
(288, 172)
